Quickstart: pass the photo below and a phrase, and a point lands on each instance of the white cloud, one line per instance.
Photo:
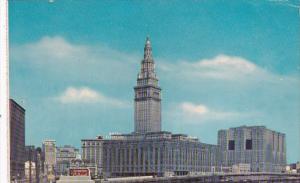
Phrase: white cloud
(55, 57)
(221, 67)
(189, 112)
(191, 108)
(74, 95)
(50, 49)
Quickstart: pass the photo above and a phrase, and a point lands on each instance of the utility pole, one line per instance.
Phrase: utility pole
(4, 95)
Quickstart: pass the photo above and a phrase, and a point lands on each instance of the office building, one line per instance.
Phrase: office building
(263, 149)
(17, 140)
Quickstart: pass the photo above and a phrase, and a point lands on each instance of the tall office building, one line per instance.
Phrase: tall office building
(17, 140)
(263, 149)
(148, 150)
(147, 110)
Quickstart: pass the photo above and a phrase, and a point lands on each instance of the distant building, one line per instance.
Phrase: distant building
(30, 164)
(49, 151)
(293, 168)
(263, 149)
(17, 140)
(30, 153)
(30, 172)
(39, 163)
(92, 154)
(33, 156)
(64, 156)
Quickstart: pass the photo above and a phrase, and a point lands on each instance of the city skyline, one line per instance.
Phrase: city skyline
(71, 80)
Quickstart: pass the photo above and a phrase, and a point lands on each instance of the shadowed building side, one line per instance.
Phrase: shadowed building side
(17, 140)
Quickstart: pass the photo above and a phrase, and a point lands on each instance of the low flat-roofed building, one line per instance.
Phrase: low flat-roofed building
(154, 153)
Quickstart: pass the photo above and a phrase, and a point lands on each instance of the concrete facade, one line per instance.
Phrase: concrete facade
(155, 153)
(147, 101)
(263, 149)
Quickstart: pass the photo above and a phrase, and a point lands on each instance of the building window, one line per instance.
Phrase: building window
(248, 144)
(231, 145)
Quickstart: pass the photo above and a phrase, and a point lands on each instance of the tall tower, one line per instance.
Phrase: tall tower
(147, 107)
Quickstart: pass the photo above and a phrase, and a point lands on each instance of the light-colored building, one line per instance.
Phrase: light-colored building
(49, 151)
(147, 101)
(293, 168)
(153, 153)
(30, 172)
(241, 168)
(64, 156)
(263, 149)
(92, 154)
(148, 150)
(17, 140)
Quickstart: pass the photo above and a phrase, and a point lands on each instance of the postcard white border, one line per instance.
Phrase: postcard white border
(4, 95)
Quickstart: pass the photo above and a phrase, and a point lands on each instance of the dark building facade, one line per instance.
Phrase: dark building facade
(17, 140)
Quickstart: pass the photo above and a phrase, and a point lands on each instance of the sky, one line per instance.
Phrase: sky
(221, 64)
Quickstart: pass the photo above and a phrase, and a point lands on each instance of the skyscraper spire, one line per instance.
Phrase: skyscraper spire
(147, 95)
(148, 50)
(147, 68)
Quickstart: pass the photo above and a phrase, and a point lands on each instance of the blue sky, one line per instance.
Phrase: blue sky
(221, 64)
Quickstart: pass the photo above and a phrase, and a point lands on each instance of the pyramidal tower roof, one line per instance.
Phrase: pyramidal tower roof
(148, 50)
